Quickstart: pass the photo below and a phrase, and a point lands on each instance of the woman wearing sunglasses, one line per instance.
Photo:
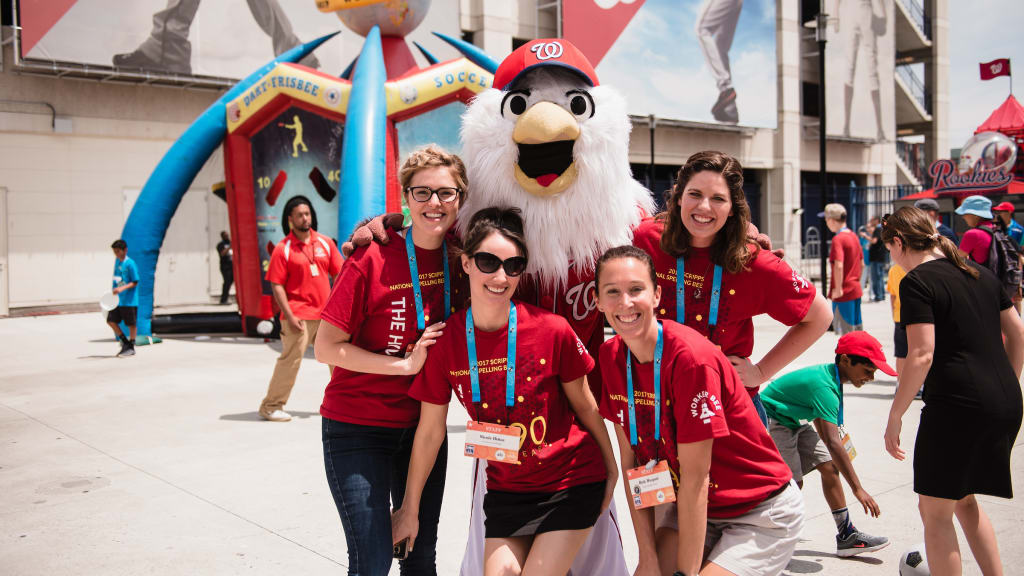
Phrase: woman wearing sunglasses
(966, 346)
(520, 373)
(714, 280)
(683, 421)
(387, 308)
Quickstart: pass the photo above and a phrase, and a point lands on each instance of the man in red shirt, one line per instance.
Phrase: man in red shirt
(846, 258)
(300, 273)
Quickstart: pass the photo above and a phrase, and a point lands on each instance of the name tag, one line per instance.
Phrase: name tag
(313, 270)
(848, 446)
(492, 442)
(651, 485)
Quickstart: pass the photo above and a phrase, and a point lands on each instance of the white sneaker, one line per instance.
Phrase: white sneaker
(277, 416)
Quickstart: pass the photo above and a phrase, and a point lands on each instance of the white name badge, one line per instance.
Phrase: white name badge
(492, 442)
(313, 270)
(651, 485)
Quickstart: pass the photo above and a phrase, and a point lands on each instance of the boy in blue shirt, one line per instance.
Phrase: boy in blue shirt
(126, 279)
(805, 407)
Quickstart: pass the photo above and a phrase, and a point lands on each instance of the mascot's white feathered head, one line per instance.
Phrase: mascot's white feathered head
(552, 142)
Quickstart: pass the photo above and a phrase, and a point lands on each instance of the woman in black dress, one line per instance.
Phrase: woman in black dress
(972, 396)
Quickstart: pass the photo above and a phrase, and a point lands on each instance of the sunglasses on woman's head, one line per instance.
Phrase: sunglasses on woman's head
(489, 263)
(445, 194)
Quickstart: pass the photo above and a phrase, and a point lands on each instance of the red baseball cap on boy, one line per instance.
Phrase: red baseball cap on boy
(1003, 207)
(861, 343)
(543, 52)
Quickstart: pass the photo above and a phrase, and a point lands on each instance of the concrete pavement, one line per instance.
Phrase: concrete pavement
(159, 464)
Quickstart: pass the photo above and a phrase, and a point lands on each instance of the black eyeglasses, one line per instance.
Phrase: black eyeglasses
(489, 263)
(445, 194)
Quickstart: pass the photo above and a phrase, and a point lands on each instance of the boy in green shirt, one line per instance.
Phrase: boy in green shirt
(814, 395)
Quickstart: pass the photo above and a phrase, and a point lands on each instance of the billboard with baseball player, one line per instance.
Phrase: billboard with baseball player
(211, 38)
(858, 56)
(698, 60)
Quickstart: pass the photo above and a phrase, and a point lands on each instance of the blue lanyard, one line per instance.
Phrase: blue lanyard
(657, 391)
(510, 362)
(716, 293)
(414, 274)
(840, 381)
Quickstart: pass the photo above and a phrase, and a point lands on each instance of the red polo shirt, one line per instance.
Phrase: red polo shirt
(291, 265)
(846, 249)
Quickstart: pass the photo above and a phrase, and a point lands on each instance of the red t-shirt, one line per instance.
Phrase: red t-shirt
(557, 452)
(291, 266)
(614, 403)
(577, 303)
(373, 302)
(767, 286)
(707, 401)
(846, 249)
(976, 243)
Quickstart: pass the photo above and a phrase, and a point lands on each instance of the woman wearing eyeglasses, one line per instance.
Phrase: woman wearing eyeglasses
(966, 346)
(387, 308)
(520, 373)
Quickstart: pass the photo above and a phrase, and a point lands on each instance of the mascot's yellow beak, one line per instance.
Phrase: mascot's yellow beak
(545, 135)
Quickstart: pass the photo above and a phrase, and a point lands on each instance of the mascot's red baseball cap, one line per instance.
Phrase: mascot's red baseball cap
(543, 52)
(861, 343)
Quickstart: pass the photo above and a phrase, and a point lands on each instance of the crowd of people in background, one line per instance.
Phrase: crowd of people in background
(714, 446)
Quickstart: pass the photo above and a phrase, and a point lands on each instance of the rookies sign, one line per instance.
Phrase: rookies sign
(949, 180)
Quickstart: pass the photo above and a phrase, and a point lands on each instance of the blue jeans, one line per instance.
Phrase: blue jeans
(878, 280)
(759, 407)
(366, 471)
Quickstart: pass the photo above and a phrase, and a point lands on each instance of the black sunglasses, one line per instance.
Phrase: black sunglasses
(445, 194)
(489, 263)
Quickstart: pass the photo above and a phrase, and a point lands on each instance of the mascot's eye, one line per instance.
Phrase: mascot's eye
(581, 103)
(514, 103)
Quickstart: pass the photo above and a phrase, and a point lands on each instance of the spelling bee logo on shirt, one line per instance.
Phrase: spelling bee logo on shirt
(799, 282)
(707, 403)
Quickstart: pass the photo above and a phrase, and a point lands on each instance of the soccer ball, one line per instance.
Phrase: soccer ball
(913, 562)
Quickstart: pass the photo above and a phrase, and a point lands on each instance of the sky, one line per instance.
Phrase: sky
(981, 31)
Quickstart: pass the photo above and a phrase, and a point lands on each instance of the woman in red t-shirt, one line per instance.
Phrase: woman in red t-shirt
(387, 307)
(520, 372)
(691, 426)
(726, 280)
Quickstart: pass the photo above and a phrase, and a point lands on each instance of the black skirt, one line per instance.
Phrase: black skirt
(960, 452)
(510, 514)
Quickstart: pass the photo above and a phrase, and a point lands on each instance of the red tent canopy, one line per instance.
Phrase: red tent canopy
(1008, 119)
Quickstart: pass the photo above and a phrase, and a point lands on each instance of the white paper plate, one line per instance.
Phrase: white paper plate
(108, 301)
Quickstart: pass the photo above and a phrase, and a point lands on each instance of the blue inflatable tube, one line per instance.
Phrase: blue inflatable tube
(471, 52)
(151, 215)
(363, 189)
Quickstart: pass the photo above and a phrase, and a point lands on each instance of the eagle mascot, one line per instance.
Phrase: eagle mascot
(549, 140)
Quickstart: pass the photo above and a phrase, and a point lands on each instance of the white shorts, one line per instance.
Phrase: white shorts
(757, 543)
(761, 541)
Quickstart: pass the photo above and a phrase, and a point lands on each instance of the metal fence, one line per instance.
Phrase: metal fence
(915, 85)
(862, 203)
(868, 201)
(918, 16)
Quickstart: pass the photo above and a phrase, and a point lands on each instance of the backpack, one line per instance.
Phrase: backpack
(1003, 259)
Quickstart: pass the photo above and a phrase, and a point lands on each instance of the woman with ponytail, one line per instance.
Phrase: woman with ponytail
(972, 398)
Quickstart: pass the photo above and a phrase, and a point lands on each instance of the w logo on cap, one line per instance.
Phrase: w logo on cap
(547, 50)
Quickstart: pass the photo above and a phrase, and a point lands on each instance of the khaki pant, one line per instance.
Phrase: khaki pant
(293, 348)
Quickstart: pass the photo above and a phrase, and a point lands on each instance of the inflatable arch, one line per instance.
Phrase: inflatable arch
(287, 127)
